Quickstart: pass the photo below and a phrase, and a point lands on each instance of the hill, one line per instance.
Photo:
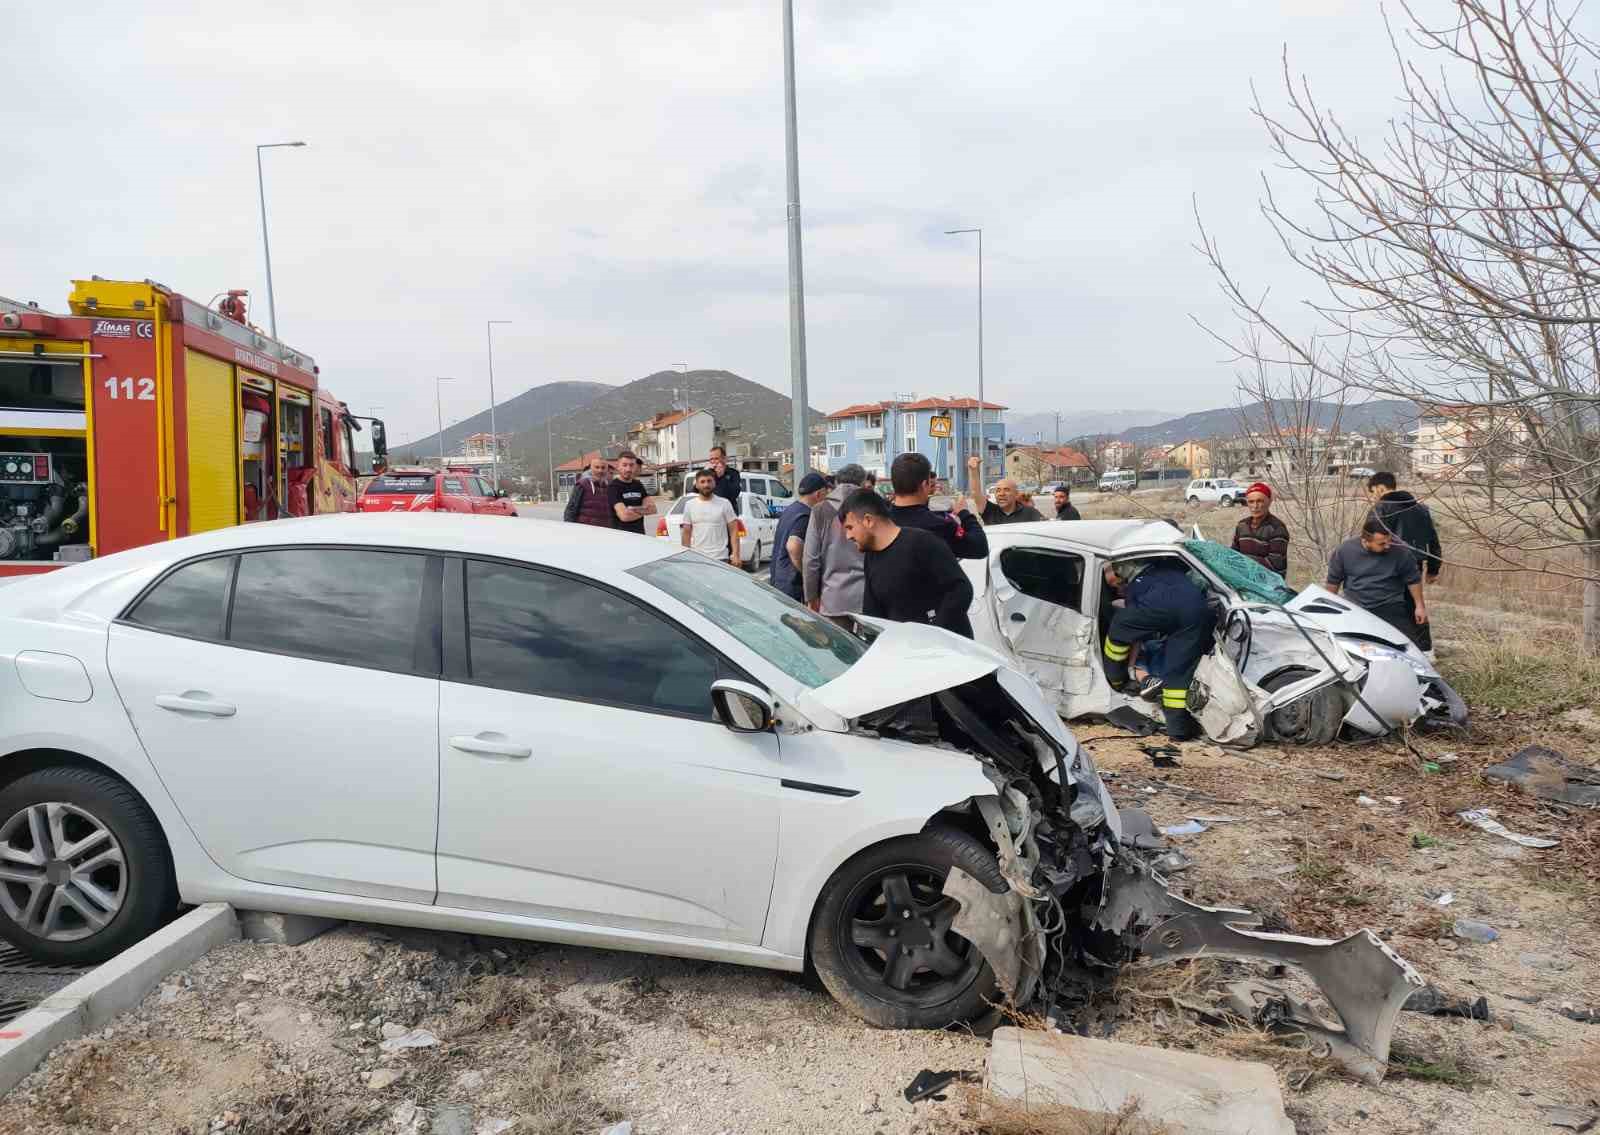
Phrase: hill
(1041, 427)
(513, 416)
(1229, 421)
(748, 410)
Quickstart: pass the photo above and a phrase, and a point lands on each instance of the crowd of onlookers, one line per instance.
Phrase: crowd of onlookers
(843, 546)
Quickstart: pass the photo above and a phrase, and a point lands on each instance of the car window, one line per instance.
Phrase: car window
(777, 489)
(537, 632)
(1045, 573)
(455, 486)
(347, 605)
(803, 645)
(193, 600)
(677, 508)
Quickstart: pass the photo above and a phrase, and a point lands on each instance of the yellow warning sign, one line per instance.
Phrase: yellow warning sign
(940, 425)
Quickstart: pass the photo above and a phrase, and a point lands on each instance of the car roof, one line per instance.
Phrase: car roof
(579, 548)
(1109, 536)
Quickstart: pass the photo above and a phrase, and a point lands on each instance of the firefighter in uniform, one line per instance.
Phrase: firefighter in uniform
(1162, 601)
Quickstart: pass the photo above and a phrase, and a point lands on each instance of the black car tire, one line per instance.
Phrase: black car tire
(150, 893)
(1312, 720)
(859, 976)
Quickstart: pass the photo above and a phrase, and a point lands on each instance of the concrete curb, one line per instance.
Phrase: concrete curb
(110, 988)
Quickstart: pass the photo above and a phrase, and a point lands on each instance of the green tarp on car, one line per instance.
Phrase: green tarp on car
(1240, 572)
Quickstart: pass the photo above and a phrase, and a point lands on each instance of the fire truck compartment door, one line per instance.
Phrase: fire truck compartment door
(212, 413)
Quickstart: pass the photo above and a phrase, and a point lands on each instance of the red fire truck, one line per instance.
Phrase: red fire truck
(144, 415)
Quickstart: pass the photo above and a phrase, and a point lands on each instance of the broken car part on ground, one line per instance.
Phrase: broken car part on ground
(1078, 895)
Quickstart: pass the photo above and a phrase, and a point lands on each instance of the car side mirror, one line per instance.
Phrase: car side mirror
(742, 707)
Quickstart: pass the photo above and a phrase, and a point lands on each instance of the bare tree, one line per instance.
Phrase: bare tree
(1461, 262)
(1096, 449)
(1282, 409)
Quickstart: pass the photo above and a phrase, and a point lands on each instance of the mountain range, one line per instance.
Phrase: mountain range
(1230, 421)
(595, 415)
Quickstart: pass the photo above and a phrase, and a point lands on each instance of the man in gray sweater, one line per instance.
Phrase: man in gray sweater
(832, 568)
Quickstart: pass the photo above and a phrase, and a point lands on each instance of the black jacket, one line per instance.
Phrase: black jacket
(729, 486)
(1409, 521)
(961, 531)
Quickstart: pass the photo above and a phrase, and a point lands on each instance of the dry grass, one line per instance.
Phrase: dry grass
(1506, 664)
(1454, 1066)
(309, 1106)
(1582, 1073)
(983, 1114)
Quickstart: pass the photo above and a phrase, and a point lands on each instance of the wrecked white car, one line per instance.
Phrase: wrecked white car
(574, 736)
(1294, 668)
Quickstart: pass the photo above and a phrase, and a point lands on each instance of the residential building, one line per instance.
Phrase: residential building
(873, 434)
(674, 438)
(1467, 441)
(1120, 455)
(1045, 466)
(1190, 455)
(1287, 454)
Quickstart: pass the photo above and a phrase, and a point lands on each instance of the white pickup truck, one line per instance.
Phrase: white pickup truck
(757, 526)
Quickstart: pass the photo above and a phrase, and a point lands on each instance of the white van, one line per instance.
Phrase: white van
(1119, 481)
(765, 485)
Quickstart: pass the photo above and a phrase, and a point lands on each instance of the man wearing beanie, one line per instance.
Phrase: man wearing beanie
(1260, 535)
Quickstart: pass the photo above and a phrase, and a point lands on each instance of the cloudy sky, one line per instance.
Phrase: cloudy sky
(610, 176)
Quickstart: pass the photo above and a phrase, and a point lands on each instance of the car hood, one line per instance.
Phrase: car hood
(1340, 616)
(905, 661)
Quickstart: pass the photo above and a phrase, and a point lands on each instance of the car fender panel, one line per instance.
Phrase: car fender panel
(1392, 691)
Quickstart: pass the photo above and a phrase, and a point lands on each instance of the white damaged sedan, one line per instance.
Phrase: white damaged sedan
(556, 733)
(1295, 668)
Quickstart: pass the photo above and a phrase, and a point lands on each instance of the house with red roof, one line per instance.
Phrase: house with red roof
(944, 430)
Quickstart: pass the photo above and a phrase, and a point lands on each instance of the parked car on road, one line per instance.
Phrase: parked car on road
(1214, 490)
(427, 490)
(1299, 669)
(757, 527)
(1119, 481)
(572, 735)
(766, 485)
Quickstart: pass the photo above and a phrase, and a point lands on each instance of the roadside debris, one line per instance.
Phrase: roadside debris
(1071, 1076)
(1570, 1118)
(416, 1038)
(1583, 1016)
(1162, 756)
(1474, 931)
(1430, 1000)
(1328, 774)
(928, 1084)
(1548, 775)
(1484, 820)
(1188, 827)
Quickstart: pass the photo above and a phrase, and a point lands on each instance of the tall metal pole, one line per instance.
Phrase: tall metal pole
(438, 406)
(266, 248)
(799, 402)
(494, 437)
(983, 441)
(550, 453)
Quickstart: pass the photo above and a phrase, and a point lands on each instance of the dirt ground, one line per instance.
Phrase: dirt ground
(257, 1038)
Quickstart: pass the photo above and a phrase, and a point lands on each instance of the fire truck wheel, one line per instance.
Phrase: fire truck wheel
(86, 872)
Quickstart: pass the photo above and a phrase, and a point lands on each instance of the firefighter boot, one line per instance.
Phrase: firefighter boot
(1181, 725)
(1116, 659)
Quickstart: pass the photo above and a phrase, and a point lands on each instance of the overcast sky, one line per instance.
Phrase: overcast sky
(610, 176)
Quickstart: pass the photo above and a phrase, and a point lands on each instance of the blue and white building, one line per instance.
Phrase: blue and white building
(873, 434)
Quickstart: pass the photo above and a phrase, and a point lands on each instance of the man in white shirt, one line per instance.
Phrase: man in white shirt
(708, 521)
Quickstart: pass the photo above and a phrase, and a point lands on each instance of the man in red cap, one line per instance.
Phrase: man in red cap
(1260, 535)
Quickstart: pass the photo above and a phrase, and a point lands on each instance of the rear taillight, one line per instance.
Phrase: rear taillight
(739, 529)
(661, 526)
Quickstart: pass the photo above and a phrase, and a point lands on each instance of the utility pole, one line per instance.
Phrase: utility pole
(266, 247)
(799, 403)
(438, 406)
(550, 454)
(494, 436)
(983, 441)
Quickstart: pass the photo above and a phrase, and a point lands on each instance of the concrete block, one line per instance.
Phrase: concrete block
(1178, 1092)
(112, 987)
(283, 929)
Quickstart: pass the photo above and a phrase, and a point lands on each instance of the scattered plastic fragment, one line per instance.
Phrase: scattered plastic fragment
(1585, 1016)
(928, 1082)
(1548, 774)
(1474, 931)
(1328, 774)
(1173, 862)
(416, 1038)
(1445, 899)
(1570, 1118)
(1215, 819)
(1393, 800)
(1484, 820)
(1366, 801)
(1191, 827)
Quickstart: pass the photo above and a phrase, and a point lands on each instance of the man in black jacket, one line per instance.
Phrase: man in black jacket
(729, 484)
(914, 482)
(1410, 523)
(910, 574)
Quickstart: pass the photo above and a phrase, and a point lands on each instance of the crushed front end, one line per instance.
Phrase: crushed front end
(1084, 897)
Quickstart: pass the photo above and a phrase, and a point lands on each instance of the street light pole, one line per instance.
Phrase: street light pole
(494, 437)
(266, 247)
(799, 403)
(983, 442)
(438, 407)
(550, 453)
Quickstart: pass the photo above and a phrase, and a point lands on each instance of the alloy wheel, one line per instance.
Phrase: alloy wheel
(899, 922)
(63, 876)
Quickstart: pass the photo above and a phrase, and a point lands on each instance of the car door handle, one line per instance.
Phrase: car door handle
(489, 744)
(196, 702)
(1018, 617)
